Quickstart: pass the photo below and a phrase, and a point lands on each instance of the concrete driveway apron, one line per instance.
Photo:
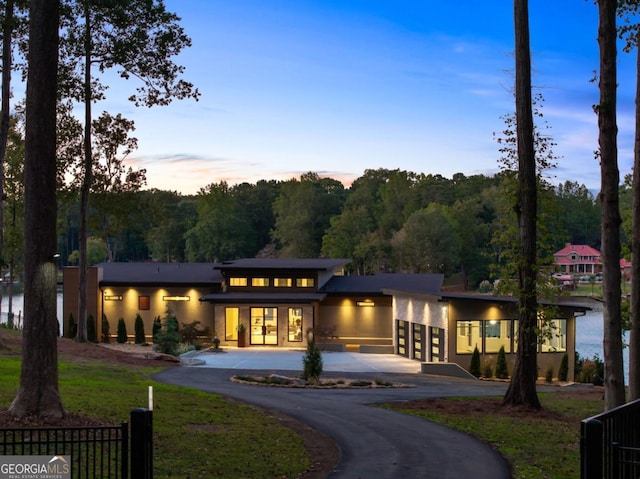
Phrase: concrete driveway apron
(374, 443)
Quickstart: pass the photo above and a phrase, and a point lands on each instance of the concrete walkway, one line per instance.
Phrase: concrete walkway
(374, 443)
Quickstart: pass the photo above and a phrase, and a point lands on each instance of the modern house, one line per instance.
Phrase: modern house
(277, 300)
(578, 259)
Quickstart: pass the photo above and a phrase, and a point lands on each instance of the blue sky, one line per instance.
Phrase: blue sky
(341, 86)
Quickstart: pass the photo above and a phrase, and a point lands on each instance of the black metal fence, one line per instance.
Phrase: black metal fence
(610, 444)
(100, 452)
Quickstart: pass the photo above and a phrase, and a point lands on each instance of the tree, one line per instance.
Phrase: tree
(428, 243)
(222, 231)
(522, 388)
(610, 179)
(140, 38)
(303, 212)
(631, 32)
(38, 392)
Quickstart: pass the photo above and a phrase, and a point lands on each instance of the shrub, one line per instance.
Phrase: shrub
(122, 331)
(474, 367)
(139, 330)
(312, 360)
(502, 371)
(92, 335)
(487, 370)
(157, 327)
(72, 327)
(106, 333)
(190, 332)
(168, 338)
(563, 372)
(549, 375)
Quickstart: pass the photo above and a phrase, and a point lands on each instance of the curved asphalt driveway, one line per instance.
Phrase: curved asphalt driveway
(374, 443)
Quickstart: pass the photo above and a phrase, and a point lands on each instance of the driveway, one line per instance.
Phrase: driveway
(374, 443)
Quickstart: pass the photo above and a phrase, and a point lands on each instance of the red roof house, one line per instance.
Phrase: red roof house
(578, 259)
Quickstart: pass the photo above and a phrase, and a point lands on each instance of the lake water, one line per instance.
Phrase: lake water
(589, 330)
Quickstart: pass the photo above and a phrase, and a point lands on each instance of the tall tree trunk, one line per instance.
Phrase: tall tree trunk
(5, 113)
(85, 189)
(634, 335)
(614, 391)
(38, 392)
(522, 388)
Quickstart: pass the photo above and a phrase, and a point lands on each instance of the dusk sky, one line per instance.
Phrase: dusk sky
(341, 86)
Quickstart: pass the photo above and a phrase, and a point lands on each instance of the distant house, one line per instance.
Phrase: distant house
(277, 300)
(578, 259)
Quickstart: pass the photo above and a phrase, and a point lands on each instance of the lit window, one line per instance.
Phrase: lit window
(231, 324)
(554, 336)
(304, 282)
(237, 281)
(282, 282)
(295, 324)
(498, 333)
(260, 282)
(468, 336)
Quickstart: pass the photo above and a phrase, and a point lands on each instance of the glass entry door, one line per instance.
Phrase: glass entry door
(264, 326)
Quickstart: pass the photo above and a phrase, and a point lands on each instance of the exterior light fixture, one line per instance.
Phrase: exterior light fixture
(176, 298)
(367, 303)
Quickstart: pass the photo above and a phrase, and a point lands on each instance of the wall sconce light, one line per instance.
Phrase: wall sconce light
(367, 303)
(176, 298)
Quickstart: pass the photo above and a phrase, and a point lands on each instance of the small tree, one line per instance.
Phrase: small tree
(487, 370)
(139, 330)
(92, 335)
(502, 372)
(312, 360)
(122, 331)
(474, 367)
(563, 372)
(168, 338)
(106, 336)
(157, 327)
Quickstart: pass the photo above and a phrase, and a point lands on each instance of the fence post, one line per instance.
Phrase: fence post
(591, 431)
(141, 443)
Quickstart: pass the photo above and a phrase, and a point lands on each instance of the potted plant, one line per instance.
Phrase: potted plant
(241, 335)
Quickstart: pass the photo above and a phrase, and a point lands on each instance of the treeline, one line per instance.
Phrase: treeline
(387, 220)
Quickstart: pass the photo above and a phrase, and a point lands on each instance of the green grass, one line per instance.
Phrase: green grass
(196, 435)
(537, 448)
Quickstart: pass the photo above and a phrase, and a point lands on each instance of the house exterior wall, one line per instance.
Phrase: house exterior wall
(424, 310)
(341, 320)
(129, 307)
(487, 312)
(70, 288)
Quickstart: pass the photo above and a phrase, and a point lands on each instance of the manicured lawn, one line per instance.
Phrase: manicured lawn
(543, 447)
(196, 435)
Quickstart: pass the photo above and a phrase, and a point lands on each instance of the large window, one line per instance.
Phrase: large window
(468, 336)
(304, 282)
(295, 324)
(231, 316)
(237, 281)
(498, 333)
(260, 282)
(555, 339)
(282, 282)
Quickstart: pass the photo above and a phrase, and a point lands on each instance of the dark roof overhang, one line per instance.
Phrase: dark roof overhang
(267, 298)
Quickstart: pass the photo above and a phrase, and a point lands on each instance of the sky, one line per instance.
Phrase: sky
(337, 87)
